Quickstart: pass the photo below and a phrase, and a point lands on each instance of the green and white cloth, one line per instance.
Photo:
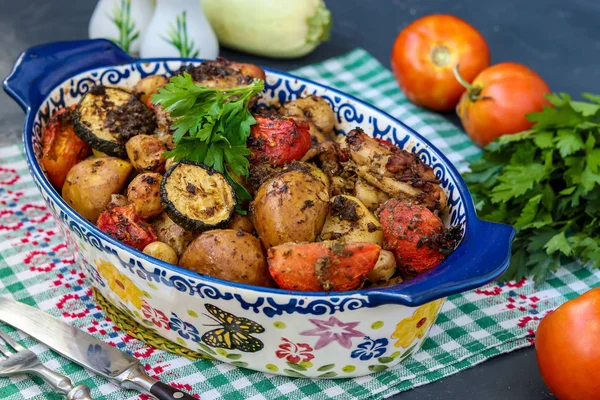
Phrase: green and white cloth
(37, 269)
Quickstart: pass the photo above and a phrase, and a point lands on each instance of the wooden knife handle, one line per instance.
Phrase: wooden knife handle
(162, 391)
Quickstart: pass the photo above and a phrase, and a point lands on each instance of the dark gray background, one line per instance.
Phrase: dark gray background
(557, 38)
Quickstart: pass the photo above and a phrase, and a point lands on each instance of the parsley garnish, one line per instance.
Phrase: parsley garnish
(546, 183)
(211, 126)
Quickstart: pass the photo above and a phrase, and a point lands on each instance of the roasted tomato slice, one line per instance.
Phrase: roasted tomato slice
(415, 235)
(278, 141)
(61, 147)
(123, 224)
(322, 266)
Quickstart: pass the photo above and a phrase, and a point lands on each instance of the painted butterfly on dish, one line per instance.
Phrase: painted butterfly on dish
(234, 332)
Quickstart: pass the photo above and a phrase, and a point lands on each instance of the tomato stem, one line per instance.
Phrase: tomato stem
(462, 80)
(473, 91)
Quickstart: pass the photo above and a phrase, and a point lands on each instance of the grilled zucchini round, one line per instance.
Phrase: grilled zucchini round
(107, 117)
(197, 197)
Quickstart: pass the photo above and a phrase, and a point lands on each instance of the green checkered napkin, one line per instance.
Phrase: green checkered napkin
(36, 268)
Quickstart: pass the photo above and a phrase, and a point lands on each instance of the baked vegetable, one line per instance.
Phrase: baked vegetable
(149, 85)
(197, 197)
(278, 141)
(384, 269)
(145, 152)
(107, 117)
(162, 251)
(241, 222)
(144, 193)
(291, 207)
(126, 226)
(61, 148)
(90, 184)
(172, 234)
(329, 266)
(228, 254)
(415, 235)
(312, 108)
(349, 220)
(266, 28)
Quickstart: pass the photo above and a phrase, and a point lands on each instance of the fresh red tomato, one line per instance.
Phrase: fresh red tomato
(567, 350)
(61, 147)
(497, 101)
(413, 233)
(278, 141)
(126, 226)
(425, 54)
(322, 266)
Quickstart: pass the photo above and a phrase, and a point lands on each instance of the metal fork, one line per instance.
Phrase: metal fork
(20, 360)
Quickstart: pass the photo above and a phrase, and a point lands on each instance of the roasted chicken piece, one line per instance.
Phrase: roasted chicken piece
(396, 172)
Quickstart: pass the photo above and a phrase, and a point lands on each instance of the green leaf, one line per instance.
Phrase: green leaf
(558, 99)
(297, 367)
(385, 360)
(568, 142)
(329, 374)
(529, 211)
(326, 367)
(207, 349)
(558, 242)
(377, 368)
(233, 356)
(516, 181)
(293, 373)
(544, 140)
(242, 364)
(591, 97)
(585, 109)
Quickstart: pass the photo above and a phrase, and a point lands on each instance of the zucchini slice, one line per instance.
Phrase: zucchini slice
(106, 117)
(197, 197)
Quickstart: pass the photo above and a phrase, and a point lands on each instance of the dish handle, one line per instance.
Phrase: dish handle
(483, 256)
(40, 69)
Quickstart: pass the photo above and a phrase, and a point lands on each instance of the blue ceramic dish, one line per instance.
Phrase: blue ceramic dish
(363, 331)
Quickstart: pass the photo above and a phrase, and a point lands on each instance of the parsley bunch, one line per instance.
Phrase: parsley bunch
(210, 125)
(546, 183)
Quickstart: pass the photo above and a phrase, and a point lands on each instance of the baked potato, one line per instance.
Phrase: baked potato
(241, 222)
(172, 234)
(290, 207)
(349, 220)
(228, 254)
(145, 152)
(149, 85)
(144, 193)
(91, 183)
(162, 251)
(384, 268)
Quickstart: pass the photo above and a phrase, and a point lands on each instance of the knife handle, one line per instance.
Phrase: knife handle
(137, 379)
(62, 384)
(162, 391)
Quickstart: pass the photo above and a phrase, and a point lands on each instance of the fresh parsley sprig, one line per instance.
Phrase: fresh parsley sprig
(546, 183)
(211, 125)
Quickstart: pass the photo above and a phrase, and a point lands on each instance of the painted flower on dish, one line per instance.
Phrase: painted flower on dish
(293, 352)
(120, 284)
(184, 329)
(91, 272)
(157, 317)
(333, 330)
(417, 325)
(370, 348)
